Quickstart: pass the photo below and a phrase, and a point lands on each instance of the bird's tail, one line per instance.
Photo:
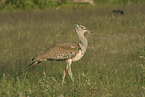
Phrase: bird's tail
(34, 63)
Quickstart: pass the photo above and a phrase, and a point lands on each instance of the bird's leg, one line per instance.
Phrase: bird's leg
(70, 73)
(64, 73)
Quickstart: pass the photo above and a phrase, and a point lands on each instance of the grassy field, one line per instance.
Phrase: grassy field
(113, 65)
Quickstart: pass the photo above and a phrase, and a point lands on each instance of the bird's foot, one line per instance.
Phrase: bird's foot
(63, 82)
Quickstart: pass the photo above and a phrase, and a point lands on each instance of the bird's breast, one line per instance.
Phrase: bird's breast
(78, 56)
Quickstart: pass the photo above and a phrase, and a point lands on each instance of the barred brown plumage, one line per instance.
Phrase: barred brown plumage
(60, 51)
(65, 51)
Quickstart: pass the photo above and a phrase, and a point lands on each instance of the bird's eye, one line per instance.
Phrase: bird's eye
(82, 27)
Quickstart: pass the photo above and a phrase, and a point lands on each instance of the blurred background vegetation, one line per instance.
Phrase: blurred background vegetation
(43, 4)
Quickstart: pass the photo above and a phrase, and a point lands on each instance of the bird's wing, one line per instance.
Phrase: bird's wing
(61, 51)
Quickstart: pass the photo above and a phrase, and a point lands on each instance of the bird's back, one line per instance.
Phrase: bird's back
(60, 51)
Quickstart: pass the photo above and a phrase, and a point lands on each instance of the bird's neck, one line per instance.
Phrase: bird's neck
(83, 42)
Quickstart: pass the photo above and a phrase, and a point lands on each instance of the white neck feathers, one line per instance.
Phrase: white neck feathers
(83, 41)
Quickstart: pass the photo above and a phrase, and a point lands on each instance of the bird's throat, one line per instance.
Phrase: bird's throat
(83, 43)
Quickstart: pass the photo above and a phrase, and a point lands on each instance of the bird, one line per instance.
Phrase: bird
(69, 52)
(118, 12)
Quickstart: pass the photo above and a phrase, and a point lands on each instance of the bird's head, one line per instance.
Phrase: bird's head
(81, 29)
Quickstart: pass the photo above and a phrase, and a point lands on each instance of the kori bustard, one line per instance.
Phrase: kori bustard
(65, 51)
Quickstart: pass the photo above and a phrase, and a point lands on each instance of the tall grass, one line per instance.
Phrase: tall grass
(112, 66)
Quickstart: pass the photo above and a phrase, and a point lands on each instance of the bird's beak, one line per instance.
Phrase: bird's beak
(89, 32)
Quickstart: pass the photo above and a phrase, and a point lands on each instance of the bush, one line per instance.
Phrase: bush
(27, 4)
(41, 4)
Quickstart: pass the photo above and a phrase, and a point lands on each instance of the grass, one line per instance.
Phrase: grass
(11, 5)
(113, 65)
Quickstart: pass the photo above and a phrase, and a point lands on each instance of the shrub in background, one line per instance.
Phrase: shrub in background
(41, 4)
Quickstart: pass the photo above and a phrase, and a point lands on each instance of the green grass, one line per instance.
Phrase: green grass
(113, 65)
(45, 4)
